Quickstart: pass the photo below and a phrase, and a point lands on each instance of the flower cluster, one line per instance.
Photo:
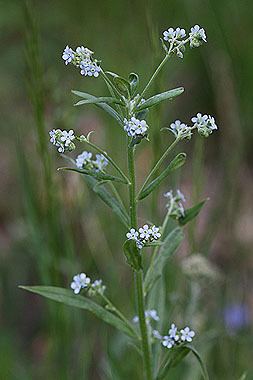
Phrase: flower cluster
(81, 281)
(175, 205)
(177, 39)
(205, 124)
(180, 130)
(146, 234)
(175, 337)
(63, 140)
(84, 161)
(135, 127)
(149, 315)
(82, 58)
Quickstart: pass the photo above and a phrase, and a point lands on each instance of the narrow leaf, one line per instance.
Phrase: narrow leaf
(97, 175)
(176, 163)
(199, 359)
(174, 357)
(170, 245)
(102, 99)
(134, 81)
(191, 213)
(109, 200)
(67, 297)
(111, 111)
(132, 254)
(122, 85)
(156, 99)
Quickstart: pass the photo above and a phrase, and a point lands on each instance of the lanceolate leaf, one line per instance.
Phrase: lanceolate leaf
(122, 85)
(191, 213)
(104, 106)
(132, 254)
(171, 243)
(102, 99)
(176, 355)
(97, 175)
(176, 163)
(67, 297)
(109, 199)
(134, 81)
(156, 99)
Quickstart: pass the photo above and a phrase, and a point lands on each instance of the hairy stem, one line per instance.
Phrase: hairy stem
(139, 274)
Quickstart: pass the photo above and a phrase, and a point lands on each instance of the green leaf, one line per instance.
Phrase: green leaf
(176, 355)
(170, 245)
(102, 99)
(199, 359)
(132, 254)
(97, 175)
(111, 111)
(244, 376)
(176, 163)
(156, 99)
(109, 200)
(122, 85)
(191, 213)
(134, 82)
(67, 297)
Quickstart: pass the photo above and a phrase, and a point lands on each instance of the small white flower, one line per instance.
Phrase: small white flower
(83, 159)
(139, 244)
(173, 332)
(180, 196)
(174, 205)
(171, 35)
(156, 335)
(68, 55)
(84, 52)
(168, 342)
(135, 319)
(89, 68)
(101, 162)
(67, 137)
(212, 122)
(135, 127)
(187, 335)
(155, 232)
(152, 314)
(96, 287)
(145, 232)
(132, 234)
(197, 36)
(180, 130)
(80, 281)
(204, 123)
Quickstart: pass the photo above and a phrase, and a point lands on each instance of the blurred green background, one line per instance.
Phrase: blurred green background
(52, 226)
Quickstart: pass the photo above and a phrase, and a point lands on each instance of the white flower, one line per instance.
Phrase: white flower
(168, 342)
(149, 314)
(145, 232)
(96, 287)
(67, 137)
(83, 159)
(80, 281)
(139, 244)
(170, 35)
(89, 68)
(132, 234)
(101, 162)
(62, 139)
(152, 314)
(83, 52)
(180, 130)
(173, 332)
(174, 205)
(187, 334)
(155, 232)
(68, 55)
(156, 335)
(204, 123)
(197, 36)
(135, 127)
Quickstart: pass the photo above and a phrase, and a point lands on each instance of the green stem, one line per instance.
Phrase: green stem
(158, 164)
(139, 274)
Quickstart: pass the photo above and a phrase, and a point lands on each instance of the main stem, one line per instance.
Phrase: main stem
(139, 274)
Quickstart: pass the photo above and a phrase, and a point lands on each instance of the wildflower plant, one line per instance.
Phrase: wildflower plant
(129, 108)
